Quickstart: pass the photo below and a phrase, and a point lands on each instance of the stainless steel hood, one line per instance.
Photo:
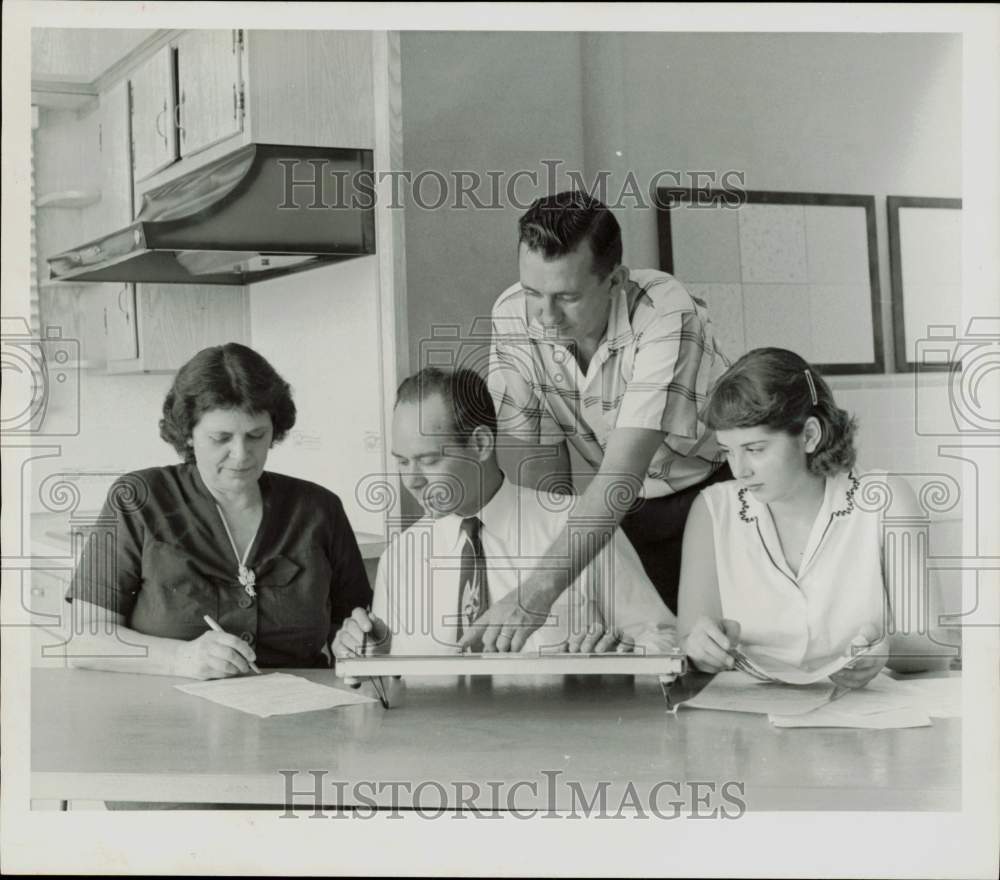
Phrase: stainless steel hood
(259, 212)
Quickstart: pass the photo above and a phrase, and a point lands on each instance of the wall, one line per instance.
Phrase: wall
(479, 102)
(102, 426)
(856, 113)
(319, 330)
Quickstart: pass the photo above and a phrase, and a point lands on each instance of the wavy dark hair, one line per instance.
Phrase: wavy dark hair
(229, 376)
(464, 392)
(770, 387)
(556, 225)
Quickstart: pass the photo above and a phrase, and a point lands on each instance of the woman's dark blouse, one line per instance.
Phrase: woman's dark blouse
(160, 557)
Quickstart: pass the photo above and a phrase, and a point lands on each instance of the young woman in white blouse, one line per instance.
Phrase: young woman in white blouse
(783, 561)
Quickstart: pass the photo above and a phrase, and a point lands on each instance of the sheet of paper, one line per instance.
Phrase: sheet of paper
(740, 692)
(938, 697)
(775, 670)
(831, 716)
(883, 704)
(881, 694)
(276, 693)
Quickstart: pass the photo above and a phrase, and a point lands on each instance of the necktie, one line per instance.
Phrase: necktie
(473, 590)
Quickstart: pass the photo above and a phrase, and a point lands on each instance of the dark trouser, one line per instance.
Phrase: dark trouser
(655, 526)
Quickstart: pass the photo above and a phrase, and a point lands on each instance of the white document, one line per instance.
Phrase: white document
(275, 693)
(831, 716)
(767, 668)
(740, 692)
(882, 704)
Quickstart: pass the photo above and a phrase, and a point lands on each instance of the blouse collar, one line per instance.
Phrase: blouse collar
(838, 503)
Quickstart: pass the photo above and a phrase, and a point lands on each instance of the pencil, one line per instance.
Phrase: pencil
(377, 682)
(211, 622)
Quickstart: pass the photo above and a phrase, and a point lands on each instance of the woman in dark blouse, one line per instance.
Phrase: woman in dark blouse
(271, 558)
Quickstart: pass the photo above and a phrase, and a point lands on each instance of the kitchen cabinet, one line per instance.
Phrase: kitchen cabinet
(137, 328)
(76, 313)
(45, 601)
(153, 102)
(120, 322)
(47, 591)
(210, 93)
(114, 210)
(312, 88)
(172, 322)
(309, 88)
(123, 327)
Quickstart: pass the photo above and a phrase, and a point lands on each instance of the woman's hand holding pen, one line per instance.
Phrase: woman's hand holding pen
(864, 668)
(709, 643)
(213, 655)
(361, 634)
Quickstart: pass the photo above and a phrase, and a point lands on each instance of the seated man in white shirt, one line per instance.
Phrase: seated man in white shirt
(481, 535)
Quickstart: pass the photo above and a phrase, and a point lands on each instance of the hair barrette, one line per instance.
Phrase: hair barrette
(812, 387)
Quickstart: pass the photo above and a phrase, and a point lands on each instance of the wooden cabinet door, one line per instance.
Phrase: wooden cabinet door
(208, 76)
(176, 321)
(119, 312)
(115, 207)
(153, 103)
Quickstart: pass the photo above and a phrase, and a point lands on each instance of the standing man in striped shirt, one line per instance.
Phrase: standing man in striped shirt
(615, 363)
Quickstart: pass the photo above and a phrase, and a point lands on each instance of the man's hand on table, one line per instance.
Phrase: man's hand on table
(597, 639)
(509, 623)
(360, 635)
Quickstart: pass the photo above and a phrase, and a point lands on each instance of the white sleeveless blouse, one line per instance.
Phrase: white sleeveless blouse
(807, 619)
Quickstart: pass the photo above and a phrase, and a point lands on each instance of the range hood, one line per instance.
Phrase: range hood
(261, 211)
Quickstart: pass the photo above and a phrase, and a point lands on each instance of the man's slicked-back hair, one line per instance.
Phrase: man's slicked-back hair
(556, 225)
(464, 392)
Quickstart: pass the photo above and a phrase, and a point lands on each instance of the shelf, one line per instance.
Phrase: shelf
(60, 284)
(70, 198)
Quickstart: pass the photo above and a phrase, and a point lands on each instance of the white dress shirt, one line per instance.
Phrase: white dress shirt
(417, 585)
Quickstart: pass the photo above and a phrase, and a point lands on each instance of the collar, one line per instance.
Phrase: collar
(619, 331)
(190, 469)
(838, 499)
(496, 516)
(838, 502)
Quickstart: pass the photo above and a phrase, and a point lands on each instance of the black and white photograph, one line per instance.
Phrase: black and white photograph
(579, 421)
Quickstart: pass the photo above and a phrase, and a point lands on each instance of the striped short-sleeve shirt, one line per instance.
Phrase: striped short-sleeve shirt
(653, 369)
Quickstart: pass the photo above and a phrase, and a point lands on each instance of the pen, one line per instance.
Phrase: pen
(219, 629)
(377, 682)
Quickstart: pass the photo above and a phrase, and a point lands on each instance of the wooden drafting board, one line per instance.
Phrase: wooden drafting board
(665, 665)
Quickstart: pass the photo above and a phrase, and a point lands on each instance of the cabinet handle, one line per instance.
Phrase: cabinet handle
(122, 308)
(177, 117)
(234, 97)
(160, 116)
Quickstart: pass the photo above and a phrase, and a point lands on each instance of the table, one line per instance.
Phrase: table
(113, 736)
